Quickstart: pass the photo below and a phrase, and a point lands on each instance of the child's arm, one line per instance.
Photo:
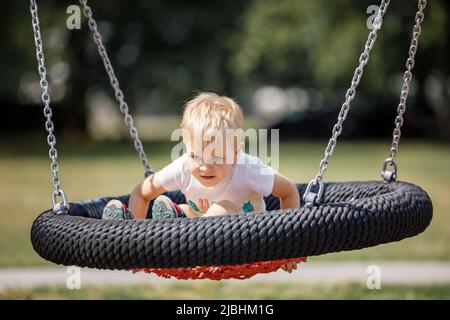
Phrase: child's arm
(287, 191)
(289, 196)
(142, 194)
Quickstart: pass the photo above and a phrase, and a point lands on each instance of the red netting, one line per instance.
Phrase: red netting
(243, 271)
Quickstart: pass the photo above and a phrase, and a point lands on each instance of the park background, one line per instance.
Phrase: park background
(288, 63)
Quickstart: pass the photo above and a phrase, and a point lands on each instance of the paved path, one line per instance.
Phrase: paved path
(320, 273)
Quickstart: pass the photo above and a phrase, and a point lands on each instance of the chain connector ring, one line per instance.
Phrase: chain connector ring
(60, 207)
(313, 198)
(389, 175)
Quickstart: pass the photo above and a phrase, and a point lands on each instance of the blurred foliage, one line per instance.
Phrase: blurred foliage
(164, 51)
(318, 43)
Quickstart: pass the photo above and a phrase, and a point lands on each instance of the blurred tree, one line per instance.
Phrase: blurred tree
(318, 43)
(163, 51)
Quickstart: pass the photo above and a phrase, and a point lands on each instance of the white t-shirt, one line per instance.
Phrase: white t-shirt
(246, 183)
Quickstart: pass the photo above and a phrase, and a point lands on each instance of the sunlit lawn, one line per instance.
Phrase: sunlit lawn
(225, 290)
(90, 171)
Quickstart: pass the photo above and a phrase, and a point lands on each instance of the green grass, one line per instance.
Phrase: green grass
(94, 170)
(223, 290)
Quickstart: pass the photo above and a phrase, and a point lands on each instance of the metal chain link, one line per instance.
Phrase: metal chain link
(63, 206)
(310, 197)
(115, 85)
(386, 174)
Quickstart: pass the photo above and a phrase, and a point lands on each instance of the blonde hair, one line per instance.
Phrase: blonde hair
(208, 112)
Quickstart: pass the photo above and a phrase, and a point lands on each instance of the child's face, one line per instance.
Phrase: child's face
(210, 164)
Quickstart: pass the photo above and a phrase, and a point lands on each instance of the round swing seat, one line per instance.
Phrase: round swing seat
(353, 215)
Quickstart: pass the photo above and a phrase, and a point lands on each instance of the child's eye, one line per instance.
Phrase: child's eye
(196, 158)
(217, 160)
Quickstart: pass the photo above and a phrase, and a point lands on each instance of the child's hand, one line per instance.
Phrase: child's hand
(288, 267)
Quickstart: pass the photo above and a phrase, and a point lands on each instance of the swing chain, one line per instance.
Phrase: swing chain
(115, 85)
(58, 207)
(391, 175)
(312, 198)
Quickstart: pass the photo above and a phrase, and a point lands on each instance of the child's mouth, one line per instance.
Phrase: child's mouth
(207, 177)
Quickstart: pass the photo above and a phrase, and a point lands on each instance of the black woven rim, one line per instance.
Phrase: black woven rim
(354, 215)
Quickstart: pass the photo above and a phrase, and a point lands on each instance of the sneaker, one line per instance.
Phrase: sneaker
(116, 210)
(164, 207)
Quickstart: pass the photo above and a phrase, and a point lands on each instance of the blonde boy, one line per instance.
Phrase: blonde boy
(215, 174)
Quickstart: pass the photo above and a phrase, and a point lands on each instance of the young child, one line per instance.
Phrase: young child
(215, 181)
